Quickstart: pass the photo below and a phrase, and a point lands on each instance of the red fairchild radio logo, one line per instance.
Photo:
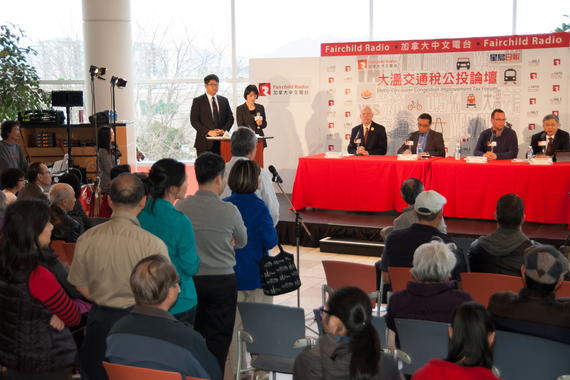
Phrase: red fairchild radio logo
(264, 89)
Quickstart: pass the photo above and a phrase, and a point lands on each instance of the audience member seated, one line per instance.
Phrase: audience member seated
(244, 147)
(411, 188)
(35, 311)
(244, 179)
(78, 211)
(543, 271)
(401, 244)
(433, 297)
(218, 230)
(105, 256)
(167, 183)
(150, 337)
(470, 350)
(62, 198)
(39, 179)
(502, 251)
(105, 211)
(350, 348)
(13, 179)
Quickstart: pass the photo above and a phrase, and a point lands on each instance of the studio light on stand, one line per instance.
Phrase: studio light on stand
(95, 72)
(119, 83)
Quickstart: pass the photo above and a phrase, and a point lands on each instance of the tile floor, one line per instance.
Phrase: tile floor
(312, 277)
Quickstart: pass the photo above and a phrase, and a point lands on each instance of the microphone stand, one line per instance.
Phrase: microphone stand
(298, 222)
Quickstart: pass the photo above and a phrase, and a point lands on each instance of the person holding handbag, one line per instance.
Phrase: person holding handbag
(244, 179)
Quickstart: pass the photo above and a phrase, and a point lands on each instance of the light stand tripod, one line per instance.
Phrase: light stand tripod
(298, 221)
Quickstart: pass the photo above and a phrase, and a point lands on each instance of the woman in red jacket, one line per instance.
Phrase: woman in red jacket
(34, 308)
(470, 351)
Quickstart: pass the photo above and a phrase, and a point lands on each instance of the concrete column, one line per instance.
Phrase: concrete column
(108, 43)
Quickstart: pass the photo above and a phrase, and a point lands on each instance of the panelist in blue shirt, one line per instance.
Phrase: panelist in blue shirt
(430, 141)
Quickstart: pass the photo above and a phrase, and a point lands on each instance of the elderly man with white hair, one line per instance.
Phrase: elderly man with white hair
(62, 199)
(431, 296)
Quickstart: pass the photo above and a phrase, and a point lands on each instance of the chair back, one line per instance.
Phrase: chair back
(96, 221)
(523, 357)
(564, 290)
(274, 328)
(465, 245)
(69, 249)
(399, 278)
(57, 246)
(422, 341)
(126, 372)
(555, 333)
(481, 286)
(342, 273)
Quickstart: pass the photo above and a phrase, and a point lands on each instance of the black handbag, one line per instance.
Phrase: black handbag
(279, 275)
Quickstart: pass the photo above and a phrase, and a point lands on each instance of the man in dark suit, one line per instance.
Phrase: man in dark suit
(554, 138)
(210, 115)
(39, 179)
(368, 137)
(430, 141)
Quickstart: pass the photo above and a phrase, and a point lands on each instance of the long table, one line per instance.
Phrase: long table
(355, 183)
(372, 183)
(472, 190)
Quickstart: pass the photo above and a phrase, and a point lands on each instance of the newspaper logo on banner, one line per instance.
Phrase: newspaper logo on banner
(331, 69)
(504, 58)
(556, 88)
(347, 68)
(362, 64)
(556, 113)
(533, 75)
(331, 103)
(531, 127)
(532, 101)
(556, 75)
(264, 89)
(556, 62)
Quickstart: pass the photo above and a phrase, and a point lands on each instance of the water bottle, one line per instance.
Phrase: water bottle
(529, 154)
(419, 152)
(458, 150)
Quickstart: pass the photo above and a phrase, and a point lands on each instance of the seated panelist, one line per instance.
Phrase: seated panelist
(498, 142)
(552, 138)
(430, 141)
(368, 137)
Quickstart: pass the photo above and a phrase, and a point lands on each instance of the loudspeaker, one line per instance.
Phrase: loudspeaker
(67, 98)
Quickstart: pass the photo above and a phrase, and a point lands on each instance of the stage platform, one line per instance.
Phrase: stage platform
(367, 226)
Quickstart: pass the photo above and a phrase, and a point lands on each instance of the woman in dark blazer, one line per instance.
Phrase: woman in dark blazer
(251, 114)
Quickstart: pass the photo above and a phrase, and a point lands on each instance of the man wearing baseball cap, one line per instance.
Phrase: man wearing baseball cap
(401, 244)
(542, 274)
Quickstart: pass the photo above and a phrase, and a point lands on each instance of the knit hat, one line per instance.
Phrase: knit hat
(429, 202)
(544, 264)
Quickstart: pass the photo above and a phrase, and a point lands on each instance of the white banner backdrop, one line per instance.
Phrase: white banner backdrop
(313, 103)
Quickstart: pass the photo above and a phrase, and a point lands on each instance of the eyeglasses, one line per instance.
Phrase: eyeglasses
(424, 125)
(179, 282)
(213, 84)
(23, 180)
(322, 310)
(500, 119)
(44, 173)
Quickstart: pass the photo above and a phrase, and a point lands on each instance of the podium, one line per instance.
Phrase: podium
(226, 153)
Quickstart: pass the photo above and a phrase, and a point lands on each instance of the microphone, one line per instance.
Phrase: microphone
(258, 115)
(493, 136)
(410, 138)
(543, 136)
(276, 177)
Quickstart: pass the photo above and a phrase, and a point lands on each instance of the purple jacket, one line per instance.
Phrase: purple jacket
(428, 302)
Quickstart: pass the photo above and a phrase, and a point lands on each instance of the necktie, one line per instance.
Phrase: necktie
(216, 116)
(365, 135)
(549, 147)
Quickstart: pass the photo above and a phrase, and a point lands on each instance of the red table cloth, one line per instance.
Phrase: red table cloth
(472, 190)
(355, 183)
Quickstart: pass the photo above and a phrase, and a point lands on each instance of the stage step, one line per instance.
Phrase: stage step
(351, 246)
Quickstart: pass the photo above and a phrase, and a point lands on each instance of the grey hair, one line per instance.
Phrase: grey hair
(434, 261)
(59, 192)
(243, 141)
(152, 278)
(551, 117)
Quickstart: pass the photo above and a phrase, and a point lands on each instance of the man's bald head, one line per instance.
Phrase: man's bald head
(62, 195)
(366, 115)
(126, 192)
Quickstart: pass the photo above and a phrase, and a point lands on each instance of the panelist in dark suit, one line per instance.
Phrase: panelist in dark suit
(373, 139)
(430, 141)
(555, 138)
(251, 114)
(210, 115)
(507, 146)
